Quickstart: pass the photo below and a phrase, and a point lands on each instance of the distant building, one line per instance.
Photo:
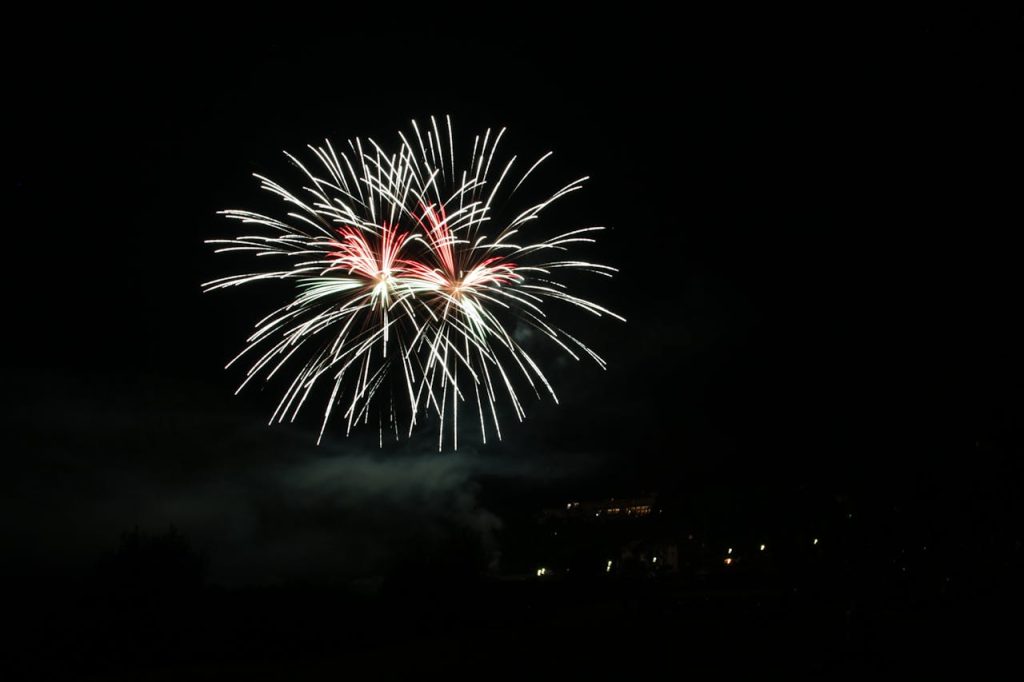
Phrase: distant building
(610, 508)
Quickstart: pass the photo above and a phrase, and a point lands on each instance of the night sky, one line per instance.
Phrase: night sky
(813, 217)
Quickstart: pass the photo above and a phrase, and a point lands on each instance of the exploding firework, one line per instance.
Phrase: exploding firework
(408, 284)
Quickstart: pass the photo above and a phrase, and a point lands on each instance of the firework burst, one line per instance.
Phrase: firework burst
(408, 284)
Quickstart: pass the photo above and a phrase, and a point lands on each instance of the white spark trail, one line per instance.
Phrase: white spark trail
(405, 273)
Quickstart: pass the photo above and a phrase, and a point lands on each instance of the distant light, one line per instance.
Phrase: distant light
(654, 560)
(608, 568)
(541, 572)
(728, 560)
(569, 506)
(762, 548)
(815, 540)
(597, 513)
(730, 551)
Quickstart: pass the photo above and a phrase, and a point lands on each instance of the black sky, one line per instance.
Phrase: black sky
(814, 220)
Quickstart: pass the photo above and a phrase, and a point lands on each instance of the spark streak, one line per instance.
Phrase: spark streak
(404, 301)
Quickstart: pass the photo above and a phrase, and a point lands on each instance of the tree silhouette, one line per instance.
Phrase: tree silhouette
(147, 568)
